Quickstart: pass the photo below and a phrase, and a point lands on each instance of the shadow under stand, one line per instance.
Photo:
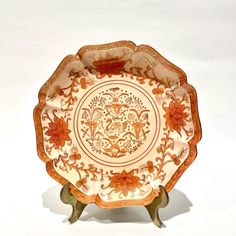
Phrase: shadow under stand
(160, 201)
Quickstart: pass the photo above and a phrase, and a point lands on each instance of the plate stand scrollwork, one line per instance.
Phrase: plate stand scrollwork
(160, 201)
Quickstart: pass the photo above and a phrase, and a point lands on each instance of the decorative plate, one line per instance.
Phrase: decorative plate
(117, 120)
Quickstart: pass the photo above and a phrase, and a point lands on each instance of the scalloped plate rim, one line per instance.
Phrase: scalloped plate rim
(95, 198)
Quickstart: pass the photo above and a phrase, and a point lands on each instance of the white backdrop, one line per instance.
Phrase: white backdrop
(198, 36)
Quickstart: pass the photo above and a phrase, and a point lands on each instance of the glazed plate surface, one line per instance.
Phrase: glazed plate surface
(116, 121)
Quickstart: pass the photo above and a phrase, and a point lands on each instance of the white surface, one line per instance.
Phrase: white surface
(199, 36)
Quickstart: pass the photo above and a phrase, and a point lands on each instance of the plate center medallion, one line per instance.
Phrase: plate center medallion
(116, 122)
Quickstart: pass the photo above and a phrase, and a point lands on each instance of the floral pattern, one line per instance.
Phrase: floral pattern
(117, 123)
(58, 132)
(176, 116)
(77, 78)
(75, 156)
(124, 182)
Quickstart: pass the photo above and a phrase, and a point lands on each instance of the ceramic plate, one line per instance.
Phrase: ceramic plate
(116, 121)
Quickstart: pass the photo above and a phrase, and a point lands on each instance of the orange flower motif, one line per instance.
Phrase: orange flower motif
(82, 184)
(150, 166)
(158, 91)
(58, 132)
(74, 156)
(124, 182)
(175, 116)
(175, 159)
(83, 83)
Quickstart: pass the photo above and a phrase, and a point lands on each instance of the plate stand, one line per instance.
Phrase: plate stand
(160, 201)
(77, 206)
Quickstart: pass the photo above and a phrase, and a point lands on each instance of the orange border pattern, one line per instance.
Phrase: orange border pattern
(95, 198)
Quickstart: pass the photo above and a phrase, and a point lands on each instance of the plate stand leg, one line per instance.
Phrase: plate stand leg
(68, 198)
(159, 202)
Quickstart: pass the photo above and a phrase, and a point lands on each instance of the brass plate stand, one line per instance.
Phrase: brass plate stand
(159, 202)
(77, 206)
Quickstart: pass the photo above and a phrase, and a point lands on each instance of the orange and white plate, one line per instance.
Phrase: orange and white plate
(117, 120)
